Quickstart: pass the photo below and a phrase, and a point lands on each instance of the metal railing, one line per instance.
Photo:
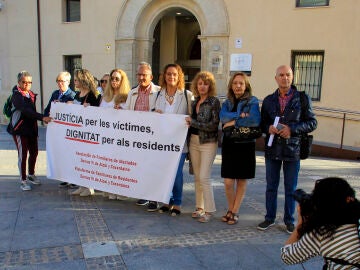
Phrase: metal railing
(338, 114)
(344, 115)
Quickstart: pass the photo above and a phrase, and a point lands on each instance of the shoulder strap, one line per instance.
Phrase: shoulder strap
(304, 104)
(187, 102)
(157, 95)
(245, 105)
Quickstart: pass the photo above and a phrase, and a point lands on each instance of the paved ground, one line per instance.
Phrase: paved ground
(49, 229)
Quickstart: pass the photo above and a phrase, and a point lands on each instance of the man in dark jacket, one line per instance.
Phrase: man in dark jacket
(23, 127)
(282, 144)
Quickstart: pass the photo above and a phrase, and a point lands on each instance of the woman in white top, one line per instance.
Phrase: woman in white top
(114, 96)
(116, 91)
(173, 98)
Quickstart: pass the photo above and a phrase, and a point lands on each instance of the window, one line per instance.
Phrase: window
(72, 62)
(72, 10)
(308, 70)
(312, 3)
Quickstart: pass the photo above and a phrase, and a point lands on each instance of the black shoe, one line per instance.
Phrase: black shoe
(265, 225)
(63, 184)
(73, 186)
(290, 228)
(153, 206)
(142, 202)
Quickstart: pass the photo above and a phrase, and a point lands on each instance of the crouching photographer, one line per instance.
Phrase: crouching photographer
(328, 225)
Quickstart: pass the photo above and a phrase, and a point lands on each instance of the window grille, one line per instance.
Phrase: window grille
(308, 70)
(72, 62)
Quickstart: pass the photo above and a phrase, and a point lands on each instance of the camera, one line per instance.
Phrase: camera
(305, 202)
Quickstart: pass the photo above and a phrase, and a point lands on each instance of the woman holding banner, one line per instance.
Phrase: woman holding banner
(87, 95)
(204, 123)
(114, 96)
(173, 98)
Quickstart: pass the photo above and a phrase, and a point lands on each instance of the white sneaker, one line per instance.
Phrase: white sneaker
(78, 191)
(121, 198)
(112, 196)
(33, 179)
(87, 192)
(25, 186)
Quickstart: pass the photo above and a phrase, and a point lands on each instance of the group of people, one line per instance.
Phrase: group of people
(203, 114)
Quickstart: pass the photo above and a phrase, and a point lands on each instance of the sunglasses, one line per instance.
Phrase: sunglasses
(115, 79)
(103, 81)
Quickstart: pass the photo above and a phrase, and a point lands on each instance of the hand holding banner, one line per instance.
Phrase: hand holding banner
(96, 148)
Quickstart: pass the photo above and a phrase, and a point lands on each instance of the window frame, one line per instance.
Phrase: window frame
(315, 77)
(298, 4)
(67, 11)
(71, 66)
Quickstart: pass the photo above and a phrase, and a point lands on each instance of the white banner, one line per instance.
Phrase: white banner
(135, 154)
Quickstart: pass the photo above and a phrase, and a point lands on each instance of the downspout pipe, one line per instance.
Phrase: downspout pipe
(40, 55)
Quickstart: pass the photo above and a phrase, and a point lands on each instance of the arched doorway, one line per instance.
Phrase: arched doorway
(138, 43)
(176, 41)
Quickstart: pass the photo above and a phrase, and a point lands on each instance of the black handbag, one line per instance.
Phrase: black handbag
(241, 134)
(305, 145)
(305, 138)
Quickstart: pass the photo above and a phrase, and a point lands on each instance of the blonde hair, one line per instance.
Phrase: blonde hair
(208, 78)
(86, 80)
(64, 74)
(124, 89)
(248, 89)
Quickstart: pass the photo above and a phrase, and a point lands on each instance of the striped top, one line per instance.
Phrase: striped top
(343, 244)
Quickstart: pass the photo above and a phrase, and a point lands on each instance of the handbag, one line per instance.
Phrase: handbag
(305, 145)
(241, 134)
(305, 139)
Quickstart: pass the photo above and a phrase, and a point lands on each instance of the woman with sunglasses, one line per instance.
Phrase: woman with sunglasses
(116, 91)
(87, 95)
(114, 96)
(103, 83)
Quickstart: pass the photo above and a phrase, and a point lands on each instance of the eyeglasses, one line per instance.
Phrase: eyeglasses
(103, 81)
(115, 79)
(60, 81)
(26, 82)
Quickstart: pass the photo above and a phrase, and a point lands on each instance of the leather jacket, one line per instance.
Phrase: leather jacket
(207, 120)
(286, 149)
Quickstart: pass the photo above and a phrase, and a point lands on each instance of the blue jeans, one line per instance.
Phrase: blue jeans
(176, 196)
(291, 172)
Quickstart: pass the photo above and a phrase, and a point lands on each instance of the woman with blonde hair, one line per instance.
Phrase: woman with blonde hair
(116, 91)
(87, 95)
(114, 96)
(85, 84)
(204, 123)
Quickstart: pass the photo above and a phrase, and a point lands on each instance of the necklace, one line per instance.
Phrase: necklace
(169, 98)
